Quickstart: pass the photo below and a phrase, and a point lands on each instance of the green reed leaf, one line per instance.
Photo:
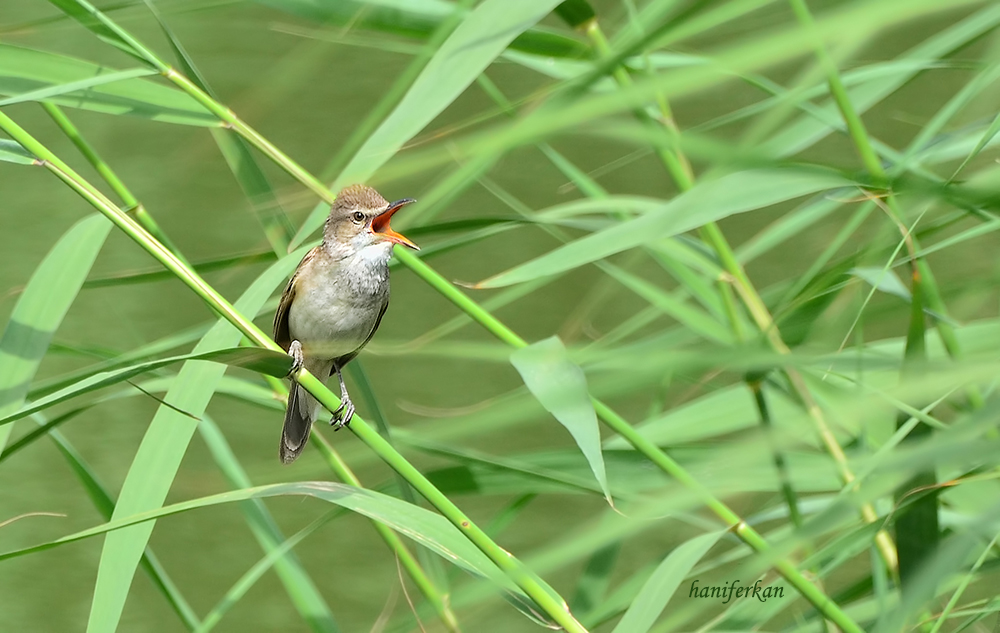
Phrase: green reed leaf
(660, 587)
(40, 75)
(12, 152)
(423, 526)
(40, 310)
(255, 359)
(710, 201)
(561, 386)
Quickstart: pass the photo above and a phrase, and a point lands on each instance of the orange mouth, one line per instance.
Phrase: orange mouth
(380, 224)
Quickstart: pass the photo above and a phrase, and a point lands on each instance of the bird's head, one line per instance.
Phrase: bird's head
(360, 219)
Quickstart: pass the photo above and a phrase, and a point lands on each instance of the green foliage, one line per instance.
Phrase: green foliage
(37, 75)
(753, 240)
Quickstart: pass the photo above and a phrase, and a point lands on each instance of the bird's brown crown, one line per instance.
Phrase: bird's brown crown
(359, 197)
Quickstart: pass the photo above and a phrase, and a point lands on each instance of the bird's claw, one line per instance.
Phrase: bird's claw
(342, 416)
(298, 359)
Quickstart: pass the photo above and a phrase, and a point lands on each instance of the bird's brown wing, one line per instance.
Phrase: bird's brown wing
(346, 358)
(281, 334)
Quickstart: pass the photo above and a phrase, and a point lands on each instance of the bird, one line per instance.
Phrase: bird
(334, 303)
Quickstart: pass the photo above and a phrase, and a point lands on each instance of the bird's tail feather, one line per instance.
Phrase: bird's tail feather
(299, 416)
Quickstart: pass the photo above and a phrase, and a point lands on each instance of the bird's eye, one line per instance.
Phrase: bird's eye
(358, 216)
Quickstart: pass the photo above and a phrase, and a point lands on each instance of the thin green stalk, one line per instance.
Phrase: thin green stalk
(712, 235)
(406, 558)
(863, 144)
(90, 154)
(780, 466)
(729, 306)
(550, 602)
(132, 204)
(673, 159)
(251, 135)
(855, 126)
(924, 288)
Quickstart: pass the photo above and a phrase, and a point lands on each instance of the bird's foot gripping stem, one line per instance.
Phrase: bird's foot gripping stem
(342, 416)
(295, 351)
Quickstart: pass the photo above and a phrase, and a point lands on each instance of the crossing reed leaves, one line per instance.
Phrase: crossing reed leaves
(753, 239)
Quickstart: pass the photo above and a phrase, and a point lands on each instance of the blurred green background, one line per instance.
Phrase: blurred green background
(305, 86)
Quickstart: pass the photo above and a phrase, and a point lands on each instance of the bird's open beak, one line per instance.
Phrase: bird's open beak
(380, 224)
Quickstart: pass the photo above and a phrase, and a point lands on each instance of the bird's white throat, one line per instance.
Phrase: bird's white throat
(364, 265)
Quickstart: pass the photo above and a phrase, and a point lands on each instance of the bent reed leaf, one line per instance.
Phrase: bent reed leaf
(422, 526)
(561, 386)
(254, 358)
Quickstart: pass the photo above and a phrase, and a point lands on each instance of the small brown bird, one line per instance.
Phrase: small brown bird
(334, 302)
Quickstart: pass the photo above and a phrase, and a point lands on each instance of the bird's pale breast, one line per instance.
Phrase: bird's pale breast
(337, 305)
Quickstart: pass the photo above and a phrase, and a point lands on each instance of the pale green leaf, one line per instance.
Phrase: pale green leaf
(710, 201)
(27, 73)
(561, 386)
(12, 152)
(660, 587)
(882, 279)
(41, 308)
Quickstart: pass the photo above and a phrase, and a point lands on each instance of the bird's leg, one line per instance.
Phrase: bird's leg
(298, 359)
(342, 416)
